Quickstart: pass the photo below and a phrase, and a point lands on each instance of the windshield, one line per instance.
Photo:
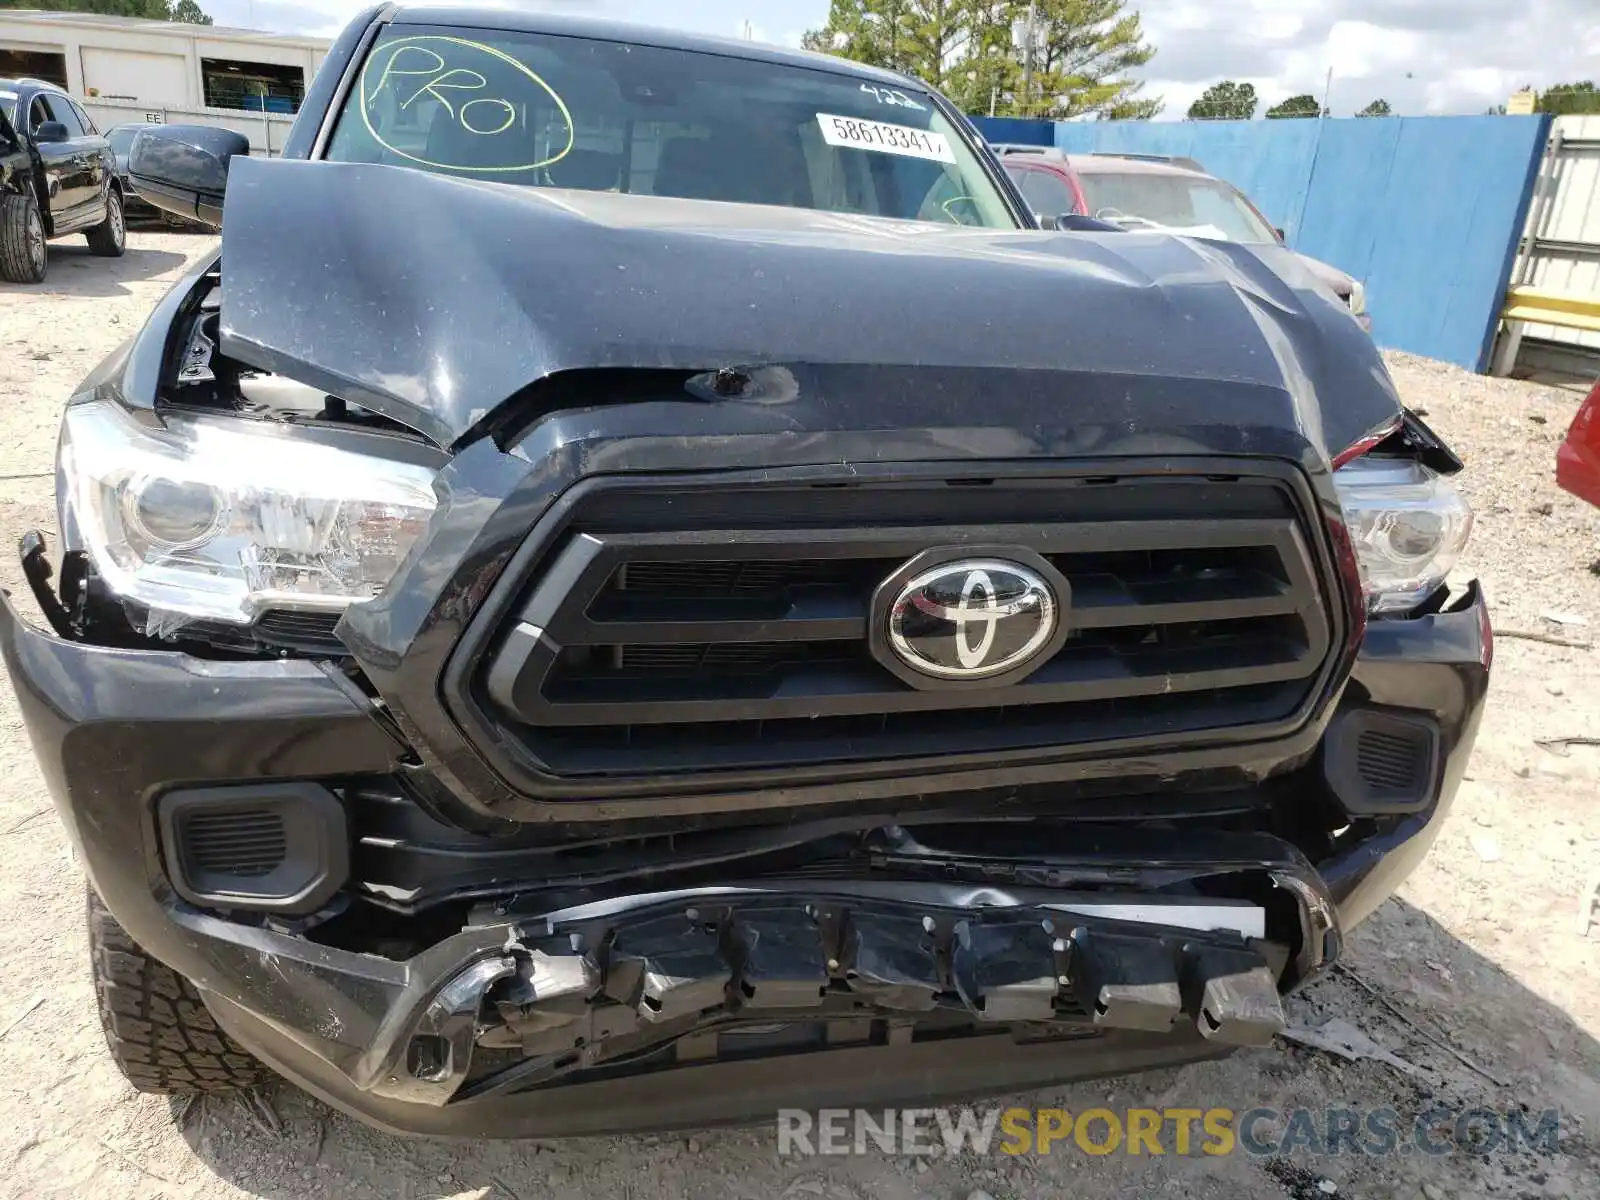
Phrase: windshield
(121, 139)
(8, 105)
(1191, 204)
(608, 116)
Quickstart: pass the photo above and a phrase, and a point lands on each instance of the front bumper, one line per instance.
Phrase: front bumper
(113, 729)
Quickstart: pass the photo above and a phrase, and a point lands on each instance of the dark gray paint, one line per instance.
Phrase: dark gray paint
(433, 299)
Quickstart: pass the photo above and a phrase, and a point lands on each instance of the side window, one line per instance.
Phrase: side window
(1046, 194)
(61, 110)
(83, 120)
(38, 114)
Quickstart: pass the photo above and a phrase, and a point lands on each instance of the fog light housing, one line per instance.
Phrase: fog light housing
(269, 848)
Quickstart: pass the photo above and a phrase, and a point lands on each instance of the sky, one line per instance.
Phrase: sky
(1423, 56)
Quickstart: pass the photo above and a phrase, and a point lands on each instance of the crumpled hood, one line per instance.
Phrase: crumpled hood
(433, 299)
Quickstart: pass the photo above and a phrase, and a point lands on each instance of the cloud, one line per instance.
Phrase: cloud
(1423, 56)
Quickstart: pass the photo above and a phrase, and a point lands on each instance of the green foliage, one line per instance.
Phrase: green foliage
(153, 10)
(1081, 55)
(1295, 106)
(189, 13)
(1378, 108)
(1225, 101)
(1086, 49)
(1568, 99)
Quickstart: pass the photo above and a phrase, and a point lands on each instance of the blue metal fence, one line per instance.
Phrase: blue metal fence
(1426, 211)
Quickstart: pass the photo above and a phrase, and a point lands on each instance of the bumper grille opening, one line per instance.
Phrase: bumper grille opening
(244, 844)
(698, 627)
(272, 847)
(1381, 762)
(1390, 762)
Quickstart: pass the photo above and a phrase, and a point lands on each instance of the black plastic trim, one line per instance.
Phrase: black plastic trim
(316, 859)
(1341, 761)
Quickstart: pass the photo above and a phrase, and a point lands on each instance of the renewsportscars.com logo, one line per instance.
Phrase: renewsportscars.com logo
(1266, 1132)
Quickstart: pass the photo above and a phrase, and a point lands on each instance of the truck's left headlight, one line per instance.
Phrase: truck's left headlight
(220, 518)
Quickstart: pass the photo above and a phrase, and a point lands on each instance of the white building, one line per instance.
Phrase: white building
(127, 69)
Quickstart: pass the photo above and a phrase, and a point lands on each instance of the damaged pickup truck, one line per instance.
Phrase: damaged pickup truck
(640, 588)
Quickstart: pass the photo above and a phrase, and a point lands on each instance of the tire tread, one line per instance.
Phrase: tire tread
(16, 264)
(102, 240)
(157, 1028)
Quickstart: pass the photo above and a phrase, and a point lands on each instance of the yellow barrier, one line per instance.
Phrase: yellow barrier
(1540, 307)
(1536, 306)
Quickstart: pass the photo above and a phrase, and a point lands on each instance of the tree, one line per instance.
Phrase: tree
(154, 10)
(1082, 51)
(1378, 108)
(1225, 101)
(1086, 48)
(1295, 106)
(1565, 99)
(924, 38)
(189, 13)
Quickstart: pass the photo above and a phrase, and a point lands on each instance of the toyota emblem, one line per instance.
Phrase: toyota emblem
(973, 619)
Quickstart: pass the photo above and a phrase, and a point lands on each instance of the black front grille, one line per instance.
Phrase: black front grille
(674, 629)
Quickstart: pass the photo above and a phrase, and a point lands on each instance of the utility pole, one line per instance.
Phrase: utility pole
(1027, 56)
(1316, 151)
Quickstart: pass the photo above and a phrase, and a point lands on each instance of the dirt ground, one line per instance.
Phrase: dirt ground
(1480, 960)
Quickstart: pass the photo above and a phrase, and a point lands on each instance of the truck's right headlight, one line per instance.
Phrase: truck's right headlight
(1408, 525)
(217, 518)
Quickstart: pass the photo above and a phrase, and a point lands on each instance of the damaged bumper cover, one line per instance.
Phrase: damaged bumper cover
(467, 1037)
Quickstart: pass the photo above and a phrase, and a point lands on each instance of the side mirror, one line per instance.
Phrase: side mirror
(184, 168)
(50, 131)
(1282, 237)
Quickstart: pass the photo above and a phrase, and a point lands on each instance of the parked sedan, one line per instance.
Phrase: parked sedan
(1149, 193)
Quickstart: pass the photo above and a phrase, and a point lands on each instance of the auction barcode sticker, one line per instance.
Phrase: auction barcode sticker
(860, 134)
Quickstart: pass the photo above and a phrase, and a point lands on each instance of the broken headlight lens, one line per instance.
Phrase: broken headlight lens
(1408, 524)
(217, 519)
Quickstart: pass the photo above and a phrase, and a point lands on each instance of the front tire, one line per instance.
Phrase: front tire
(22, 252)
(110, 238)
(157, 1028)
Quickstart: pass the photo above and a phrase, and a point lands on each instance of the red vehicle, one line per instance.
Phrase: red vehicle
(1155, 191)
(1578, 460)
(1047, 181)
